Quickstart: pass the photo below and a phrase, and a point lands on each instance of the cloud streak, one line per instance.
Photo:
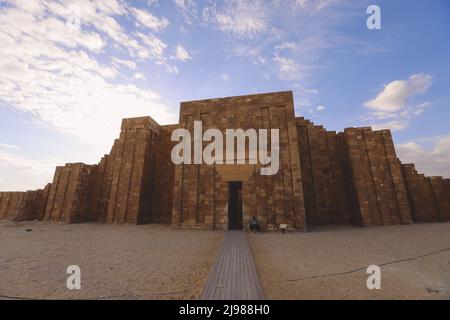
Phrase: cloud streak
(432, 161)
(182, 54)
(396, 94)
(238, 18)
(18, 172)
(49, 68)
(393, 103)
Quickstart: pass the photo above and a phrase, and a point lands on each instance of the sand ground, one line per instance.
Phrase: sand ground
(116, 261)
(331, 262)
(158, 262)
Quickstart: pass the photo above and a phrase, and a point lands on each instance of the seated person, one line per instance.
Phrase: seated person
(254, 225)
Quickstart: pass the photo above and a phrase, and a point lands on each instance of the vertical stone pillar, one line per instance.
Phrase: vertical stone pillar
(398, 181)
(362, 176)
(442, 200)
(421, 195)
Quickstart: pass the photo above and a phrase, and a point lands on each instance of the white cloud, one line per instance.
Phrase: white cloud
(246, 50)
(296, 61)
(238, 18)
(314, 5)
(313, 111)
(182, 54)
(9, 146)
(320, 108)
(155, 46)
(15, 20)
(101, 15)
(148, 20)
(188, 8)
(395, 125)
(396, 94)
(308, 90)
(261, 60)
(283, 34)
(393, 103)
(20, 173)
(24, 163)
(289, 69)
(172, 69)
(226, 77)
(139, 76)
(433, 161)
(127, 63)
(184, 4)
(286, 46)
(51, 71)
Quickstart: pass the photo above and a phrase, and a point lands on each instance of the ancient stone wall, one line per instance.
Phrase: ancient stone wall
(23, 206)
(447, 188)
(135, 170)
(133, 184)
(429, 197)
(161, 200)
(10, 202)
(201, 192)
(380, 188)
(446, 193)
(324, 177)
(33, 205)
(68, 195)
(441, 198)
(99, 191)
(324, 174)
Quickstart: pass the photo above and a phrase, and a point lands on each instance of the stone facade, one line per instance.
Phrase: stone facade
(377, 177)
(428, 196)
(351, 177)
(201, 191)
(325, 175)
(23, 206)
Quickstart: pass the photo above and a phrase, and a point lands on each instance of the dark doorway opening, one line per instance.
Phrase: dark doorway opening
(235, 205)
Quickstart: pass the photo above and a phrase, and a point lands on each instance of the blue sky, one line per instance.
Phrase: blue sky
(71, 70)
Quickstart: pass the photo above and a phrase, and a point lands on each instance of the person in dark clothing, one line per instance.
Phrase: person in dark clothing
(254, 225)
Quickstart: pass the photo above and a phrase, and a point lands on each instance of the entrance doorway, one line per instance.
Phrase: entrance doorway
(235, 205)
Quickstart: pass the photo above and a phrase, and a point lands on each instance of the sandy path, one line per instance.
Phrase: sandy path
(116, 261)
(333, 250)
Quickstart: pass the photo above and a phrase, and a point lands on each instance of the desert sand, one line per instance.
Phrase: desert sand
(116, 261)
(158, 262)
(331, 262)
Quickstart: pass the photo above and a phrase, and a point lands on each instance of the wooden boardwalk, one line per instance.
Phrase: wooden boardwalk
(233, 275)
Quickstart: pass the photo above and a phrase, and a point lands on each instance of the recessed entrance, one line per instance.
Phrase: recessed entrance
(235, 205)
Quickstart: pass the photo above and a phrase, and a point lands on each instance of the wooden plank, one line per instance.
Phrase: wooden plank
(217, 287)
(214, 274)
(233, 275)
